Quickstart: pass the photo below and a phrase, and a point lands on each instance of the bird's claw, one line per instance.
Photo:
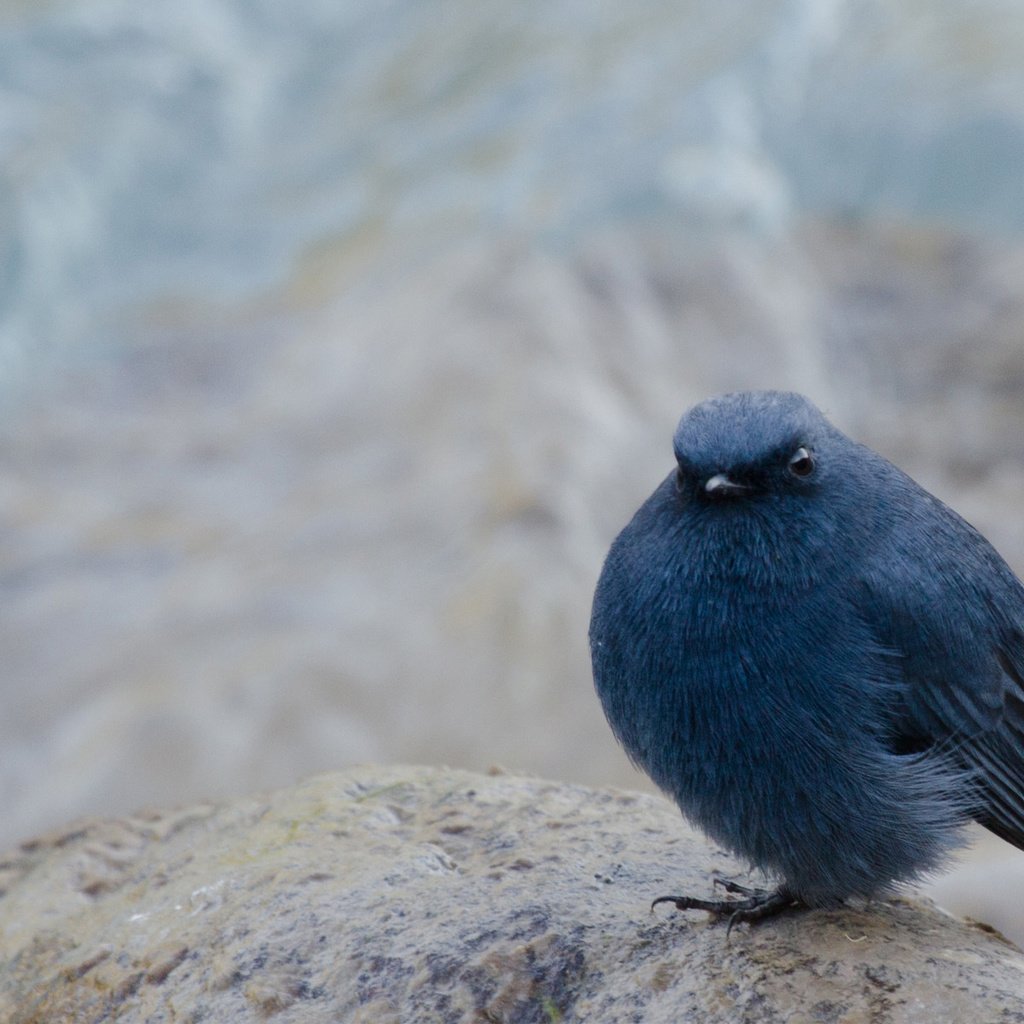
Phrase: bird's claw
(756, 905)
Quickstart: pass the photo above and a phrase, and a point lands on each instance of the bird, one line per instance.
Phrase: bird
(816, 658)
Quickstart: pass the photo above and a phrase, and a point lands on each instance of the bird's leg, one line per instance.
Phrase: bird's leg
(756, 905)
(736, 889)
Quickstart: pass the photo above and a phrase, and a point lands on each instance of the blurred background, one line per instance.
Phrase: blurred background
(339, 338)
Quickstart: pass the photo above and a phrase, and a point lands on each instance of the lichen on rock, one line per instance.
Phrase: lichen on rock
(403, 894)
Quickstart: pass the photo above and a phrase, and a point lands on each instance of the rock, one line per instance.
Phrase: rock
(420, 894)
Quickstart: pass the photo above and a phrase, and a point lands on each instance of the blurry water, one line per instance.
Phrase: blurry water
(196, 151)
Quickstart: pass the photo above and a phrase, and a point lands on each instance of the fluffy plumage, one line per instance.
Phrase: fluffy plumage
(816, 658)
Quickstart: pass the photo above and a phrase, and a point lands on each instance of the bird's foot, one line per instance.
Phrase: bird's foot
(756, 905)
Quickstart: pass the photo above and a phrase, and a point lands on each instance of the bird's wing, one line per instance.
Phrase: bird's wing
(951, 613)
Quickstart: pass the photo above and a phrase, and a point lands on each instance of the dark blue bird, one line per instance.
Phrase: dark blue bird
(817, 659)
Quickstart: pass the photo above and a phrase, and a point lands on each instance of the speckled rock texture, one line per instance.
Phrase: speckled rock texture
(401, 894)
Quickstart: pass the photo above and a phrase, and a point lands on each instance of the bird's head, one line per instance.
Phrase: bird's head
(749, 445)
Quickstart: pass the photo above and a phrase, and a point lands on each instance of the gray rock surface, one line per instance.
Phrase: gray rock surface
(419, 894)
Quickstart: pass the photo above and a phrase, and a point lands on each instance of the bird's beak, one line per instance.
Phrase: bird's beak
(720, 484)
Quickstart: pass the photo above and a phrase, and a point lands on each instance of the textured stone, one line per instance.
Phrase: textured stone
(413, 894)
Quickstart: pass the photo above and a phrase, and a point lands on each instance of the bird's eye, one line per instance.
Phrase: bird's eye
(801, 462)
